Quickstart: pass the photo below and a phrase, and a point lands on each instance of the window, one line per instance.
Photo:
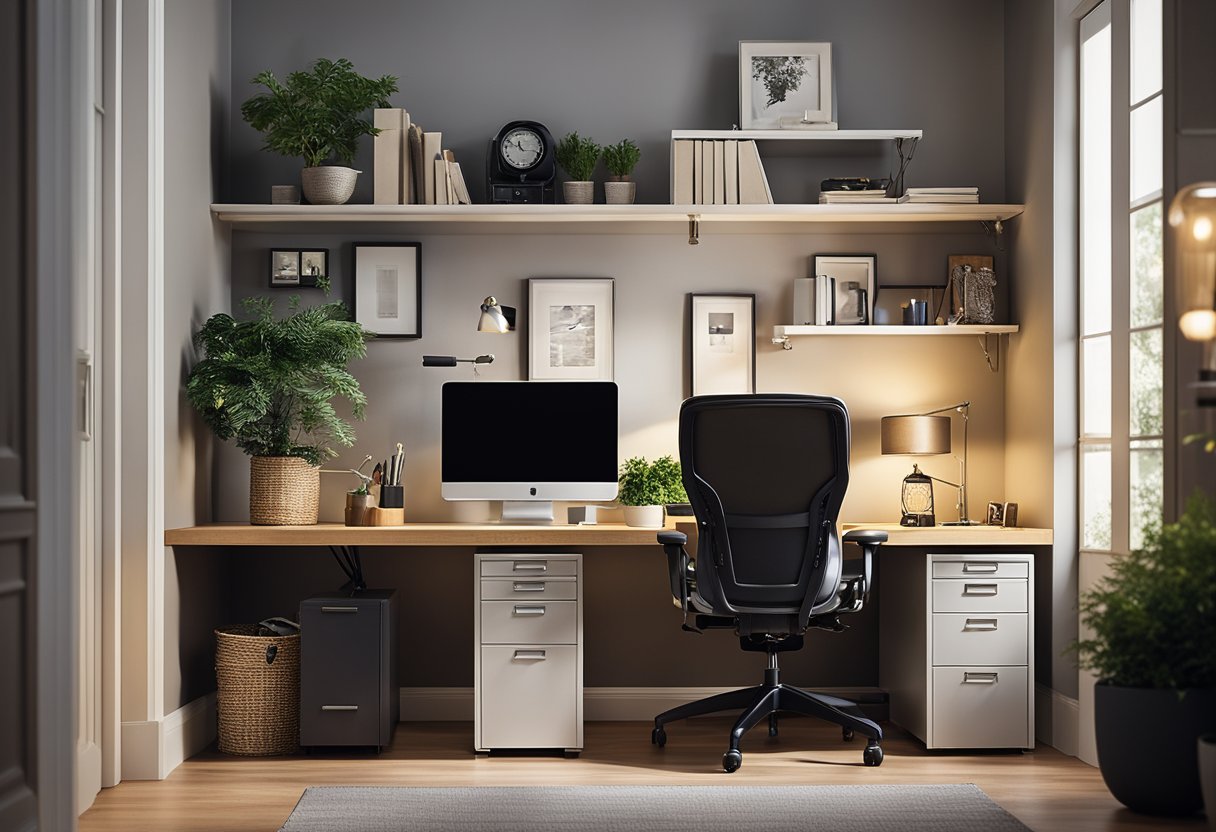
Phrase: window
(1121, 274)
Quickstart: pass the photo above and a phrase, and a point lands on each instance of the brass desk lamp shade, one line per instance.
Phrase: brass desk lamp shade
(916, 435)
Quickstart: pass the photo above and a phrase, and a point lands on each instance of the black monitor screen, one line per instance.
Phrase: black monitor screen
(520, 431)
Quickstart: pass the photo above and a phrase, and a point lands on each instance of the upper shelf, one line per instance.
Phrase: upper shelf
(786, 330)
(796, 134)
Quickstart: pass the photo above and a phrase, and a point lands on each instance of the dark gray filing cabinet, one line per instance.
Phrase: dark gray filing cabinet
(349, 693)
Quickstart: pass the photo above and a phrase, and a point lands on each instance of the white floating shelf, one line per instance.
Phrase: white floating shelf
(789, 330)
(795, 134)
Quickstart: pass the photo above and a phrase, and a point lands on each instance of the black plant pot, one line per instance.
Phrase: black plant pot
(1148, 746)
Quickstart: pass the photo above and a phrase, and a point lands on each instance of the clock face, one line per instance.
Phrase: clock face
(522, 148)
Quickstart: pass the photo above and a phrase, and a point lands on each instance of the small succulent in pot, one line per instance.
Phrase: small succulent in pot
(578, 157)
(620, 159)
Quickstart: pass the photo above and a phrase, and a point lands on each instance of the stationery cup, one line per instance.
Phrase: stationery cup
(916, 313)
(392, 496)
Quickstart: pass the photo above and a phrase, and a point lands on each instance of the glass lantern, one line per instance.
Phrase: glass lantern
(916, 498)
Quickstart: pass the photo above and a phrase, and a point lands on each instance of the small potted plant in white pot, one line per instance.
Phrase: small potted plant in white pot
(317, 115)
(578, 157)
(620, 159)
(644, 488)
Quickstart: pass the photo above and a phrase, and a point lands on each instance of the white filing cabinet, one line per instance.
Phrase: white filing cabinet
(528, 660)
(956, 647)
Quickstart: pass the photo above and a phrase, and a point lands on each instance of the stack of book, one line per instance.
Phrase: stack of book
(411, 166)
(955, 195)
(867, 197)
(825, 300)
(717, 172)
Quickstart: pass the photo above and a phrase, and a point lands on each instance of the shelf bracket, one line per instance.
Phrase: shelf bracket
(694, 229)
(783, 342)
(988, 354)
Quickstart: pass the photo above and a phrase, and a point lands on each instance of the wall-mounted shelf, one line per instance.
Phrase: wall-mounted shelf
(782, 334)
(799, 135)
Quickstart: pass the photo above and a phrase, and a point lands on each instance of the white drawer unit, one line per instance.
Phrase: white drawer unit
(956, 657)
(528, 660)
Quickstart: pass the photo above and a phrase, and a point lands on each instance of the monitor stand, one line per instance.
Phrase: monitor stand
(530, 512)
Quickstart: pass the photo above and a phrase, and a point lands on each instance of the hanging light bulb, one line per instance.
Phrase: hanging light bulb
(1193, 218)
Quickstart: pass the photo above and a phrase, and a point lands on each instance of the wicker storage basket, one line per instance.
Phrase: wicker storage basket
(283, 491)
(258, 698)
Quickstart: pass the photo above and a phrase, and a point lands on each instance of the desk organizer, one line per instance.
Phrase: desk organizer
(361, 511)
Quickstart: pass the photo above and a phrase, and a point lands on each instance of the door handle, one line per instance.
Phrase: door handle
(979, 589)
(970, 678)
(980, 624)
(528, 586)
(522, 610)
(529, 655)
(981, 567)
(339, 609)
(530, 566)
(339, 707)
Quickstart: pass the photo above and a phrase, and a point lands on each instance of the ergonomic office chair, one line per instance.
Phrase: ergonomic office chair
(766, 475)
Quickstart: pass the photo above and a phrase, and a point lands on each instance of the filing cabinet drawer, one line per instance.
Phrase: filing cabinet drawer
(529, 568)
(980, 707)
(980, 594)
(981, 569)
(978, 639)
(529, 622)
(528, 589)
(529, 696)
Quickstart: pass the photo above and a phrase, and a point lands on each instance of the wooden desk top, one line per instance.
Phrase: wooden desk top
(956, 535)
(411, 534)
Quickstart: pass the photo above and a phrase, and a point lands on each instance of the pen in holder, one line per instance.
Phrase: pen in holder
(392, 507)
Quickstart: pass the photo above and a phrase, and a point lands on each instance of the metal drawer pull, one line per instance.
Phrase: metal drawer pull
(980, 567)
(530, 566)
(522, 610)
(529, 655)
(339, 609)
(531, 586)
(980, 624)
(339, 707)
(979, 678)
(979, 589)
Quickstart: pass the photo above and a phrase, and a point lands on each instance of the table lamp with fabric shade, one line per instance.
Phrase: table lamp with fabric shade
(925, 434)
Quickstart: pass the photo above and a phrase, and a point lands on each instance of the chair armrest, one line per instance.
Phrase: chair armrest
(865, 536)
(869, 540)
(678, 564)
(674, 538)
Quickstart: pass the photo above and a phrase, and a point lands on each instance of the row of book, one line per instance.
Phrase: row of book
(717, 172)
(873, 196)
(411, 166)
(946, 195)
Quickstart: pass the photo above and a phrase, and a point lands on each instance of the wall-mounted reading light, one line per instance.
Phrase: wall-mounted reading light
(495, 317)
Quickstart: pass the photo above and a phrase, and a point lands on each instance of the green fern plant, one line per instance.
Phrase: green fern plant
(621, 158)
(643, 483)
(270, 384)
(577, 156)
(316, 115)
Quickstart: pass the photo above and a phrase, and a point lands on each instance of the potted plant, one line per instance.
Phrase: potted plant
(1153, 649)
(270, 385)
(317, 115)
(578, 156)
(620, 159)
(645, 487)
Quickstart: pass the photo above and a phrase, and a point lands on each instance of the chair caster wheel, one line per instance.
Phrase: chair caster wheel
(731, 760)
(847, 734)
(658, 737)
(872, 756)
(772, 725)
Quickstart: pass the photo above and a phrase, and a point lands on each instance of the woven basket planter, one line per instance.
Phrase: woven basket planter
(578, 193)
(328, 184)
(283, 491)
(258, 692)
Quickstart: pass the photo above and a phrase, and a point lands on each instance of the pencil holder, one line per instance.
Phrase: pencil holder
(392, 496)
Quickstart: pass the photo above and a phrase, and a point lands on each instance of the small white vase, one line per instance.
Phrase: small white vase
(578, 193)
(1207, 777)
(328, 184)
(620, 193)
(644, 517)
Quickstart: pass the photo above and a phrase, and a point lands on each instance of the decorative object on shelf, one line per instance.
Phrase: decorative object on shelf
(620, 159)
(1192, 215)
(977, 290)
(284, 268)
(495, 317)
(916, 499)
(284, 194)
(577, 157)
(785, 84)
(925, 434)
(269, 384)
(915, 312)
(856, 275)
(904, 148)
(890, 302)
(1009, 517)
(646, 487)
(1153, 651)
(570, 328)
(722, 343)
(520, 164)
(388, 289)
(957, 295)
(317, 115)
(995, 515)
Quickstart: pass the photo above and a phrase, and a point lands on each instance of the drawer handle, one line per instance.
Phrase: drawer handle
(522, 610)
(528, 586)
(980, 567)
(979, 589)
(530, 566)
(980, 624)
(339, 707)
(339, 609)
(979, 678)
(529, 656)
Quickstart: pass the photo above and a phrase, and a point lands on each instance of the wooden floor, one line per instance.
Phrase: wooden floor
(1044, 789)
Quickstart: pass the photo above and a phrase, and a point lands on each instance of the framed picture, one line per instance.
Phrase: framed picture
(314, 265)
(856, 278)
(284, 268)
(723, 343)
(784, 84)
(388, 289)
(570, 328)
(1010, 520)
(890, 300)
(996, 514)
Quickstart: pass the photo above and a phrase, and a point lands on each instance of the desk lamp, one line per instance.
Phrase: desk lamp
(926, 433)
(1192, 215)
(495, 317)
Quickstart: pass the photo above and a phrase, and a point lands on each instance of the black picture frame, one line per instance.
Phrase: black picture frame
(276, 263)
(308, 278)
(706, 372)
(387, 310)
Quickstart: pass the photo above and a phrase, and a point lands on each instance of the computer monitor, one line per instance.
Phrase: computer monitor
(529, 443)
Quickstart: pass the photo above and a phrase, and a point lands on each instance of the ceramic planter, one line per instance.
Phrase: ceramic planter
(578, 193)
(620, 192)
(283, 491)
(328, 184)
(644, 517)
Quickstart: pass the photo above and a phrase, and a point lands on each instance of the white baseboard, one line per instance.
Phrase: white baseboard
(152, 749)
(1057, 719)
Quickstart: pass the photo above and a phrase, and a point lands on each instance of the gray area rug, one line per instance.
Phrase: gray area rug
(961, 808)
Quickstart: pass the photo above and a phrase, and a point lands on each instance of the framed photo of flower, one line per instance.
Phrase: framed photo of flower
(785, 84)
(570, 328)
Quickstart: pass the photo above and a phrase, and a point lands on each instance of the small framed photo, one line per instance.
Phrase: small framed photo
(388, 289)
(723, 343)
(570, 328)
(856, 277)
(284, 268)
(1010, 518)
(785, 84)
(314, 265)
(996, 514)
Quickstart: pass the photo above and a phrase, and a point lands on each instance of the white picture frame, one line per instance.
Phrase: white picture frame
(785, 83)
(571, 325)
(388, 289)
(846, 269)
(722, 348)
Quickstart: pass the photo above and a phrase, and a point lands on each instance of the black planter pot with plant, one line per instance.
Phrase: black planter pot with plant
(1154, 652)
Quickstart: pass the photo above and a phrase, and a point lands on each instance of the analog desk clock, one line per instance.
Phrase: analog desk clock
(520, 165)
